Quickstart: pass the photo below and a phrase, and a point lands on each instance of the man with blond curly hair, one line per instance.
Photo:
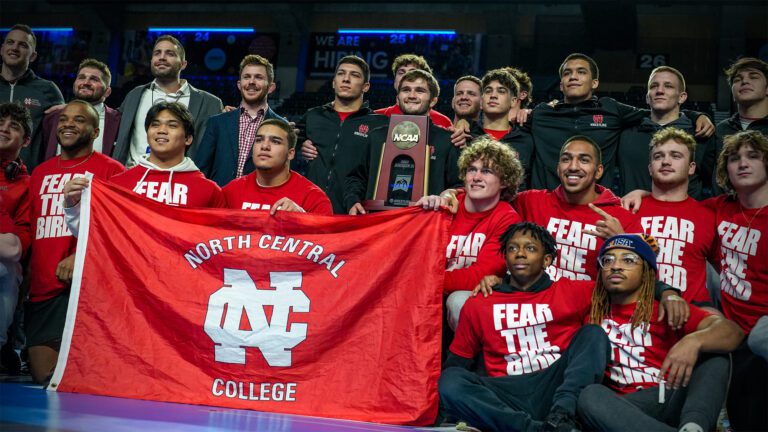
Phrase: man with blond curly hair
(491, 174)
(748, 79)
(742, 241)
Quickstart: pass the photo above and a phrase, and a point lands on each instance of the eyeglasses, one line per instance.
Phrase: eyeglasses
(625, 261)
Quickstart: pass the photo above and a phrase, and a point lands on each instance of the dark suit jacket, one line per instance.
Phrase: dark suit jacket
(109, 134)
(217, 155)
(202, 105)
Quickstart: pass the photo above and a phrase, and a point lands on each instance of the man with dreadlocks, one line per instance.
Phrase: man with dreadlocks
(537, 352)
(647, 357)
(740, 251)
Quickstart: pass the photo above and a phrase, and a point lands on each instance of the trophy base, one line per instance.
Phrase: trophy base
(381, 205)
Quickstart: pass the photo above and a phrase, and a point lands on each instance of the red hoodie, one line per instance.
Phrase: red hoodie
(181, 186)
(577, 251)
(14, 195)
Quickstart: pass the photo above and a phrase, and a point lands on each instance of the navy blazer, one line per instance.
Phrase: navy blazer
(217, 154)
(202, 105)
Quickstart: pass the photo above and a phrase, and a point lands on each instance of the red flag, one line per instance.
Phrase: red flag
(315, 315)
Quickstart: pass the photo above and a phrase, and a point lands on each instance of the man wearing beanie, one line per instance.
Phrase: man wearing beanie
(537, 351)
(656, 378)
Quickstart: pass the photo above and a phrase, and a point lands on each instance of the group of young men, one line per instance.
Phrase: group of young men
(569, 328)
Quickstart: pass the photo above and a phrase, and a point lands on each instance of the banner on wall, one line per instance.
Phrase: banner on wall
(450, 56)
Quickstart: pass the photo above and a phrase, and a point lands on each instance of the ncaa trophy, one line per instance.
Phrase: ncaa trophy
(403, 171)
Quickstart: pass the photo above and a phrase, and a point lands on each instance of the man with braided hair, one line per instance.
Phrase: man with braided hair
(741, 239)
(646, 357)
(537, 352)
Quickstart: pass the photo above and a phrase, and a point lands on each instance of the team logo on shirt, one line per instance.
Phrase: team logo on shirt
(362, 131)
(29, 102)
(597, 121)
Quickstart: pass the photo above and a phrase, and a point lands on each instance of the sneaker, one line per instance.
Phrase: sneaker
(559, 420)
(463, 426)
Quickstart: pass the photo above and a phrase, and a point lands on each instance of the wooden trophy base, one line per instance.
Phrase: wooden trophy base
(380, 205)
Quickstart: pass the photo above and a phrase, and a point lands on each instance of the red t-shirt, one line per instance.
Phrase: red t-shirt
(522, 332)
(577, 251)
(496, 134)
(14, 196)
(637, 356)
(343, 115)
(51, 239)
(473, 249)
(437, 118)
(742, 252)
(245, 193)
(685, 231)
(182, 189)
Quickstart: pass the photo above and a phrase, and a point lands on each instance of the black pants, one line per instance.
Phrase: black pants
(600, 408)
(747, 396)
(519, 403)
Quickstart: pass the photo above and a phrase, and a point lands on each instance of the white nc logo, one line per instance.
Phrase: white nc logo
(239, 295)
